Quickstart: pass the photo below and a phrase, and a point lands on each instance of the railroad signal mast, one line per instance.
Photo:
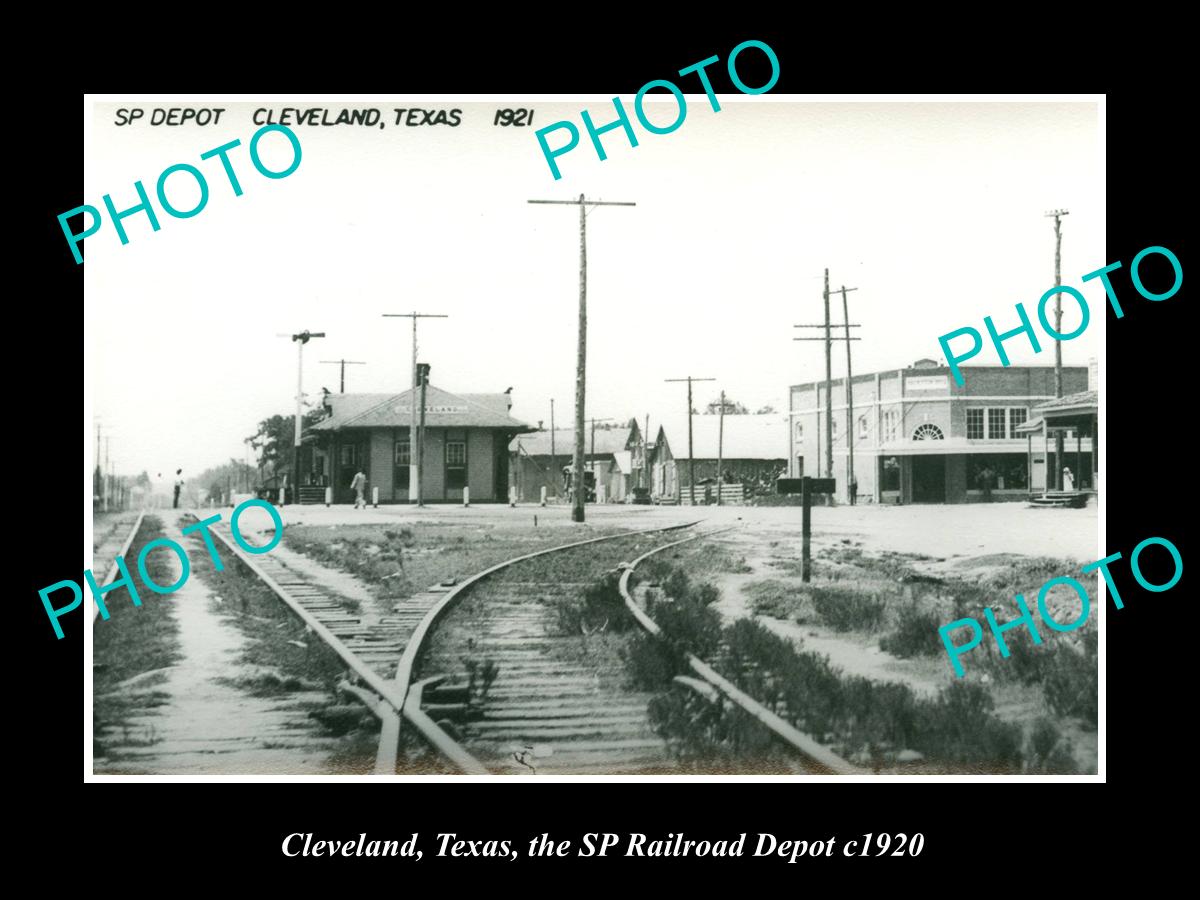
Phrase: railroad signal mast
(414, 468)
(300, 340)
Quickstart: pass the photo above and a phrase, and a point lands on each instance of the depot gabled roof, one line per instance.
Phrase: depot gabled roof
(442, 410)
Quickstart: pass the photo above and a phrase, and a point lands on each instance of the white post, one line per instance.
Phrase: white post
(512, 497)
(466, 495)
(283, 496)
(543, 495)
(375, 497)
(328, 496)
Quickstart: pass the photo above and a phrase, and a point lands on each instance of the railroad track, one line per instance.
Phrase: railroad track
(114, 538)
(381, 650)
(549, 709)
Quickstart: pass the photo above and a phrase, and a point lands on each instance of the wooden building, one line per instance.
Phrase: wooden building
(1076, 416)
(466, 445)
(751, 451)
(616, 457)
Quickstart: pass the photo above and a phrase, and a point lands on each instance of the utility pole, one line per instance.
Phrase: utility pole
(646, 453)
(849, 395)
(581, 361)
(555, 475)
(828, 339)
(414, 468)
(300, 340)
(107, 474)
(423, 380)
(720, 447)
(343, 363)
(1057, 215)
(691, 456)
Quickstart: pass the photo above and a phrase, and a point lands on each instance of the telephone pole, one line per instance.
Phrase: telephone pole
(691, 456)
(828, 339)
(300, 340)
(581, 361)
(414, 468)
(343, 363)
(1057, 215)
(423, 381)
(720, 447)
(555, 475)
(849, 396)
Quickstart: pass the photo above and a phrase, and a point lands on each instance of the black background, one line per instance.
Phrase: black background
(973, 832)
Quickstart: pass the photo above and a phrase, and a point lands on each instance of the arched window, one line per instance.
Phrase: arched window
(928, 432)
(799, 431)
(862, 426)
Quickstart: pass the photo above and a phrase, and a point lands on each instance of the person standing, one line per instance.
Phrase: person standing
(178, 487)
(853, 490)
(359, 486)
(1068, 480)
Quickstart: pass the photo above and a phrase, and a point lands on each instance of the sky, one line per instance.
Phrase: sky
(934, 211)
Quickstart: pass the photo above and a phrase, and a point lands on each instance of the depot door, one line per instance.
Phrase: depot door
(929, 479)
(352, 457)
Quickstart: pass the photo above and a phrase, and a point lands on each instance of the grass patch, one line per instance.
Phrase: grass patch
(777, 599)
(134, 640)
(864, 720)
(916, 635)
(266, 684)
(400, 562)
(600, 608)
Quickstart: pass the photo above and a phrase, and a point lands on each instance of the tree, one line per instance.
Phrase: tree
(764, 410)
(732, 407)
(275, 436)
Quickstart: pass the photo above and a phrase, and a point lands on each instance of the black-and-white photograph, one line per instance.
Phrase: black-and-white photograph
(518, 436)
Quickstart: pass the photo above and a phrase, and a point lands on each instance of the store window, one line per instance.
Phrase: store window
(975, 424)
(1017, 415)
(891, 425)
(995, 423)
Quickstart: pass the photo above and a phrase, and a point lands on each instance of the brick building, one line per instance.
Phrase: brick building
(917, 437)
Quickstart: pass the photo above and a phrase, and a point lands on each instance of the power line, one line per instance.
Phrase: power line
(343, 363)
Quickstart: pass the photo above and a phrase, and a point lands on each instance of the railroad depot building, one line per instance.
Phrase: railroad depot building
(466, 445)
(919, 438)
